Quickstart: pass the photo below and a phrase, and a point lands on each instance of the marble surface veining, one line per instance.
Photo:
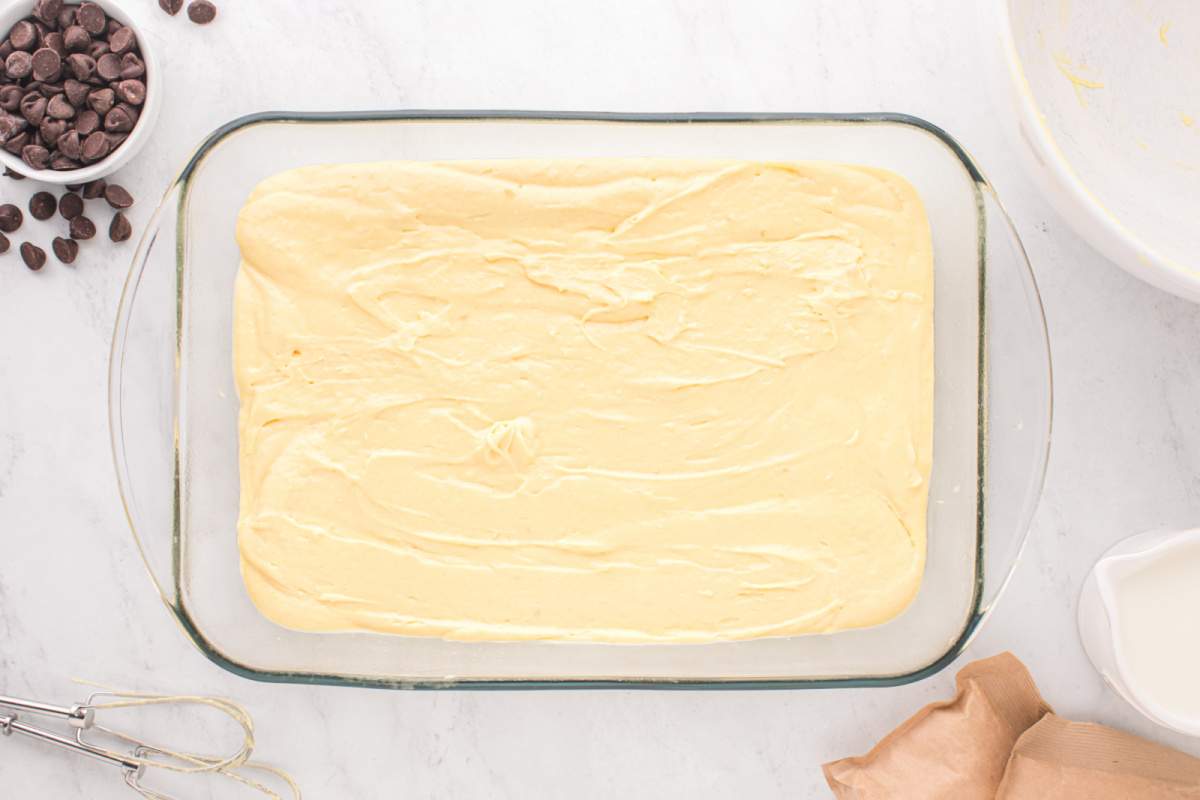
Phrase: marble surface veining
(75, 602)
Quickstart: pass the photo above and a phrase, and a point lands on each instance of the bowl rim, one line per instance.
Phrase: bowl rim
(1072, 197)
(986, 593)
(146, 119)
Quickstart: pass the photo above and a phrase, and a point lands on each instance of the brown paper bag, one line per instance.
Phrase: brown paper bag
(1083, 761)
(955, 749)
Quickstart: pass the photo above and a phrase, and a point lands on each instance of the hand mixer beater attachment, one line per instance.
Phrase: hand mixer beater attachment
(141, 756)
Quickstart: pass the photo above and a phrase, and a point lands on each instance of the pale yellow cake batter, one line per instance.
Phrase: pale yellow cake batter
(615, 400)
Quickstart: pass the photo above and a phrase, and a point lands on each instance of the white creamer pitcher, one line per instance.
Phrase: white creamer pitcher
(1139, 619)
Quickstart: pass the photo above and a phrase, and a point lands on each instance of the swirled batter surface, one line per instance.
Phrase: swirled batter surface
(624, 400)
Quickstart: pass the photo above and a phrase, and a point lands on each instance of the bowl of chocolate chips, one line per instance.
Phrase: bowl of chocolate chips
(79, 90)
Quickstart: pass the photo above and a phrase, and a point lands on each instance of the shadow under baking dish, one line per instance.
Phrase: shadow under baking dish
(173, 408)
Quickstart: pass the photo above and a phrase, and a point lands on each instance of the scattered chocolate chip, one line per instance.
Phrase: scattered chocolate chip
(54, 40)
(35, 156)
(10, 97)
(42, 205)
(117, 196)
(122, 40)
(23, 35)
(33, 256)
(81, 66)
(132, 66)
(201, 12)
(47, 11)
(132, 91)
(33, 108)
(94, 189)
(4, 245)
(70, 145)
(60, 108)
(82, 228)
(65, 249)
(18, 65)
(170, 6)
(101, 100)
(50, 130)
(120, 229)
(47, 65)
(10, 218)
(74, 187)
(92, 18)
(9, 172)
(108, 66)
(70, 206)
(95, 147)
(76, 38)
(119, 120)
(86, 122)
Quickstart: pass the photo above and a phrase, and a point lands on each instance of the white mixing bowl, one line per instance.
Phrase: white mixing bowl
(1107, 94)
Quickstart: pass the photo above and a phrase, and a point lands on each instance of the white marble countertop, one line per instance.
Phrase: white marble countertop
(74, 599)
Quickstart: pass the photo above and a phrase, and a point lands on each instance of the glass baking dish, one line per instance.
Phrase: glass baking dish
(173, 409)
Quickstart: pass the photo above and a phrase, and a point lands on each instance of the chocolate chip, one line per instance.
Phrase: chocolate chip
(170, 6)
(60, 108)
(119, 120)
(120, 229)
(82, 228)
(65, 249)
(10, 97)
(18, 65)
(113, 26)
(108, 66)
(95, 147)
(122, 40)
(33, 256)
(10, 218)
(70, 145)
(117, 196)
(4, 245)
(9, 172)
(97, 49)
(94, 189)
(54, 40)
(47, 65)
(42, 205)
(50, 130)
(70, 206)
(6, 49)
(17, 142)
(47, 11)
(23, 35)
(62, 163)
(35, 156)
(76, 38)
(115, 139)
(201, 12)
(10, 126)
(33, 108)
(66, 17)
(91, 17)
(132, 91)
(86, 122)
(81, 66)
(101, 100)
(48, 90)
(132, 66)
(76, 92)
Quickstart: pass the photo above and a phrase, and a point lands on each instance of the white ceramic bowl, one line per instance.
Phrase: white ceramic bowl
(1107, 96)
(141, 131)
